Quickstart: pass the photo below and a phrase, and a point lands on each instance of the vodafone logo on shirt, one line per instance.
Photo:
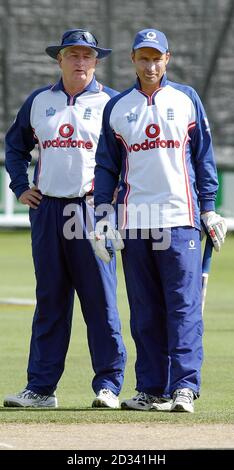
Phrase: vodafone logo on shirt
(152, 131)
(64, 139)
(66, 130)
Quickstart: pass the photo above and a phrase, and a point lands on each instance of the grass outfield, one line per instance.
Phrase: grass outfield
(74, 392)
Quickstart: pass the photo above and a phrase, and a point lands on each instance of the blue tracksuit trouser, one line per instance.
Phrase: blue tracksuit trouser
(164, 292)
(63, 266)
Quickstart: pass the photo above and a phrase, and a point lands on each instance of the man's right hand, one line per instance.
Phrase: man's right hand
(32, 197)
(105, 239)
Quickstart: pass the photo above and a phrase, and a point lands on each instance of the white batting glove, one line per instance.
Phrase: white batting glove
(216, 227)
(105, 239)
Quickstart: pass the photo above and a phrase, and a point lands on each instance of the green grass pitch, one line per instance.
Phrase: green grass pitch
(74, 392)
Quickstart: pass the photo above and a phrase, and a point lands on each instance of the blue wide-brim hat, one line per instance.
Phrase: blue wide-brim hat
(78, 37)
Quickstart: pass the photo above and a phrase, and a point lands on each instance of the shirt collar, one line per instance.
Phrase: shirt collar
(93, 87)
(162, 83)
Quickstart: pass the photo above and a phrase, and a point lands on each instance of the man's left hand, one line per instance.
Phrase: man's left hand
(216, 227)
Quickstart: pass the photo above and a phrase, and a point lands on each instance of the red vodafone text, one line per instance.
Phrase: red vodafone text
(153, 140)
(64, 140)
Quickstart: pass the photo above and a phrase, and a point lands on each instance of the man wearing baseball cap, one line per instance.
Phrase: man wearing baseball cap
(64, 122)
(156, 137)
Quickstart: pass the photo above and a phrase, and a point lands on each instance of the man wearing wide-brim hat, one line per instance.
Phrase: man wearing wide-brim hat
(64, 120)
(77, 45)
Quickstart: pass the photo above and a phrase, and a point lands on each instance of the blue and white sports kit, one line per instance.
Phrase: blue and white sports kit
(66, 130)
(161, 147)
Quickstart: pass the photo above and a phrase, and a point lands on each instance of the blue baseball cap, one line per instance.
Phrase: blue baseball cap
(78, 37)
(151, 38)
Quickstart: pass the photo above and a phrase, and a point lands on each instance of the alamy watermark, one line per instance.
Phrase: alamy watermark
(145, 221)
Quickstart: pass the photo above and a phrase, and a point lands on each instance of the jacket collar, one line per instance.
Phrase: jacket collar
(93, 87)
(162, 83)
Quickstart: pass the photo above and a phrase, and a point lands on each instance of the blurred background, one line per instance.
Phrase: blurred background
(201, 40)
